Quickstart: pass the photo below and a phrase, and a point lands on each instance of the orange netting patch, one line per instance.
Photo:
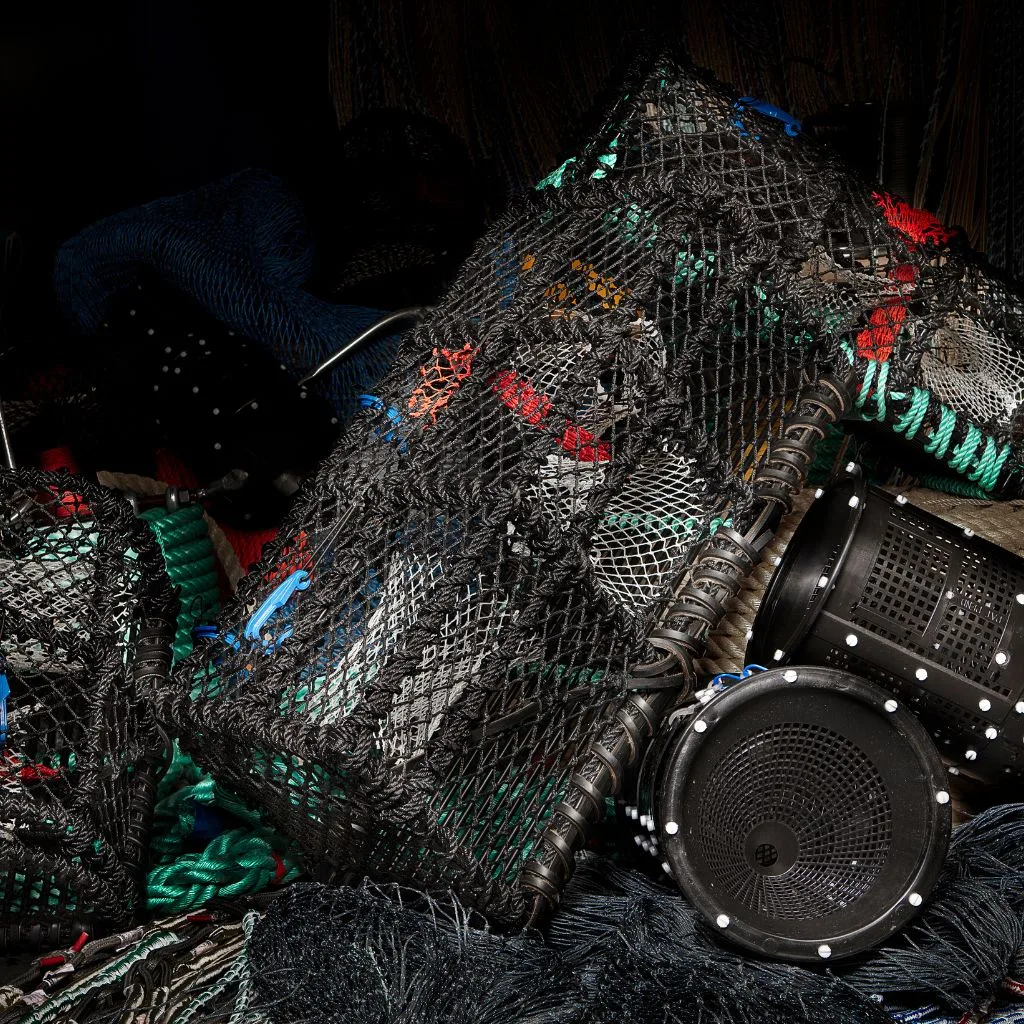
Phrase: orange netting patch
(441, 380)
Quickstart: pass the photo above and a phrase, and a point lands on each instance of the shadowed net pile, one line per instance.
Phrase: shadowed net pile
(481, 606)
(86, 618)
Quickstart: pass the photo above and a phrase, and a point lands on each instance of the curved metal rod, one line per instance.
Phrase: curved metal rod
(5, 441)
(416, 313)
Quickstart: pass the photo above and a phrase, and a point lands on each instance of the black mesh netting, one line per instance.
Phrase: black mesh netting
(625, 947)
(482, 603)
(86, 618)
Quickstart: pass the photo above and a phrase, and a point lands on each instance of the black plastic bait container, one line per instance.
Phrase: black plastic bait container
(802, 812)
(933, 613)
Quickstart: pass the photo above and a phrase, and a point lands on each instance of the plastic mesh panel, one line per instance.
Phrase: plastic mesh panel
(827, 790)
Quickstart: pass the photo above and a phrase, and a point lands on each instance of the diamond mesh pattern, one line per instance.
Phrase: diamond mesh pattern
(81, 586)
(492, 543)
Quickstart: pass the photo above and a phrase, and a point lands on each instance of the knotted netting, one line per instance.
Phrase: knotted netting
(86, 619)
(483, 603)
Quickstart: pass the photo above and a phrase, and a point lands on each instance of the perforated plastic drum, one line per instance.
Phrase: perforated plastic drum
(803, 812)
(872, 585)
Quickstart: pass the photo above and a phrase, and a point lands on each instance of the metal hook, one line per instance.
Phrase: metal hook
(416, 313)
(5, 441)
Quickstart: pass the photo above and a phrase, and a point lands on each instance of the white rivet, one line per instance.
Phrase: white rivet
(776, 560)
(216, 446)
(700, 725)
(971, 755)
(177, 369)
(334, 423)
(991, 732)
(131, 312)
(1002, 657)
(891, 705)
(778, 655)
(818, 493)
(822, 581)
(1020, 599)
(921, 674)
(950, 595)
(968, 532)
(722, 920)
(915, 899)
(789, 675)
(283, 367)
(231, 334)
(666, 868)
(183, 353)
(851, 640)
(824, 951)
(942, 797)
(167, 350)
(671, 827)
(953, 770)
(851, 466)
(255, 405)
(150, 332)
(302, 394)
(854, 501)
(202, 341)
(195, 389)
(166, 369)
(156, 387)
(985, 704)
(216, 411)
(1019, 707)
(901, 499)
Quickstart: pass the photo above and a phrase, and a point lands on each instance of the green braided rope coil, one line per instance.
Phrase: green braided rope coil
(240, 860)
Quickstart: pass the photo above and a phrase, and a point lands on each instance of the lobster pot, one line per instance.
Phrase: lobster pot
(872, 585)
(86, 621)
(802, 812)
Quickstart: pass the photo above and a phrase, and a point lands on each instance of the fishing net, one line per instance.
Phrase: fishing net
(624, 946)
(481, 606)
(86, 619)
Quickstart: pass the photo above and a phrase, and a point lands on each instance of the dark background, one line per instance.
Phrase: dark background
(405, 126)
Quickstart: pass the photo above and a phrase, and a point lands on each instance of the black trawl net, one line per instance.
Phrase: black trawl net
(86, 617)
(483, 603)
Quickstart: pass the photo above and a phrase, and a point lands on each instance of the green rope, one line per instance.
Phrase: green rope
(951, 485)
(239, 861)
(184, 542)
(235, 863)
(979, 457)
(115, 971)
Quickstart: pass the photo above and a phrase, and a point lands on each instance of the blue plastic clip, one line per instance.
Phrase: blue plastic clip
(298, 580)
(373, 402)
(5, 692)
(748, 670)
(790, 124)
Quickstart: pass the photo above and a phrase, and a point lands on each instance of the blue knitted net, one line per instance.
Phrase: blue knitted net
(239, 249)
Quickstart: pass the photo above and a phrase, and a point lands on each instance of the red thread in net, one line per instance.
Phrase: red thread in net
(876, 342)
(919, 226)
(519, 395)
(441, 379)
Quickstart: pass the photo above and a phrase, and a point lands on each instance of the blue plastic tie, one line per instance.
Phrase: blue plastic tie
(373, 402)
(790, 124)
(748, 670)
(281, 595)
(5, 692)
